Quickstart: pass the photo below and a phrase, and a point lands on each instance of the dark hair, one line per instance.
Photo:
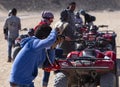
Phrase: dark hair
(43, 31)
(72, 3)
(14, 11)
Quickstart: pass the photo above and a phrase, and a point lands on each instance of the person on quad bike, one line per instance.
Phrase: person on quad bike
(31, 56)
(12, 26)
(88, 19)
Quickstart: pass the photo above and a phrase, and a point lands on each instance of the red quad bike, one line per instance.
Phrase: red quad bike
(94, 66)
(109, 36)
(105, 37)
(93, 32)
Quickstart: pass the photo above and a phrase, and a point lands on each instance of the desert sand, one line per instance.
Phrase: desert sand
(29, 20)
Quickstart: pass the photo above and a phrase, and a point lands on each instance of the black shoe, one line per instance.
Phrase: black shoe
(9, 59)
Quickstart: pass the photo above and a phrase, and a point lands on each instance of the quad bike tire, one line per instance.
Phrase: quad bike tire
(15, 52)
(108, 80)
(117, 71)
(60, 80)
(114, 45)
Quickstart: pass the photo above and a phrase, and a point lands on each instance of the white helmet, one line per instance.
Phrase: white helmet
(9, 12)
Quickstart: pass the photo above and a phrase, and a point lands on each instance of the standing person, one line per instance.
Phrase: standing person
(31, 56)
(47, 18)
(13, 25)
(67, 16)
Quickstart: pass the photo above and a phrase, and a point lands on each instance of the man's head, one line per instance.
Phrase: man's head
(14, 11)
(43, 31)
(72, 6)
(48, 16)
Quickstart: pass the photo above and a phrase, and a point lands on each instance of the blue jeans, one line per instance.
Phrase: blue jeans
(19, 85)
(45, 78)
(11, 42)
(58, 54)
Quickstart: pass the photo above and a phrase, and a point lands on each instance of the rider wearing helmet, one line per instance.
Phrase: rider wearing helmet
(47, 18)
(47, 15)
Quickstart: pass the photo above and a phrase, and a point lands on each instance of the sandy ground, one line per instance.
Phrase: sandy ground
(109, 18)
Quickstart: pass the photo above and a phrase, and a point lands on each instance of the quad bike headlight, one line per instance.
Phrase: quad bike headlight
(106, 57)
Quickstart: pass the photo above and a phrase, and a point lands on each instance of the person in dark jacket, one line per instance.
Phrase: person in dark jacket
(68, 16)
(88, 19)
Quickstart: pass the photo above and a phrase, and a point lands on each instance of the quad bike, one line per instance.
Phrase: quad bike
(17, 47)
(106, 37)
(109, 36)
(95, 65)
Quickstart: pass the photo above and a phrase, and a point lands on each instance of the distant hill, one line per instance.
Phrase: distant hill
(35, 5)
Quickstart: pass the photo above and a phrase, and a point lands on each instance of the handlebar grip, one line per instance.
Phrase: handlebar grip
(103, 26)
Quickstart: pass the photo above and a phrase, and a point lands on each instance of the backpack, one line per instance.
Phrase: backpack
(89, 18)
(64, 15)
(93, 18)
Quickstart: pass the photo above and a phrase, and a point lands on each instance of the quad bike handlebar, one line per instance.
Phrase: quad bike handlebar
(102, 26)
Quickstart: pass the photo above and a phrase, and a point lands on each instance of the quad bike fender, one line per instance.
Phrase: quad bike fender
(111, 54)
(73, 54)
